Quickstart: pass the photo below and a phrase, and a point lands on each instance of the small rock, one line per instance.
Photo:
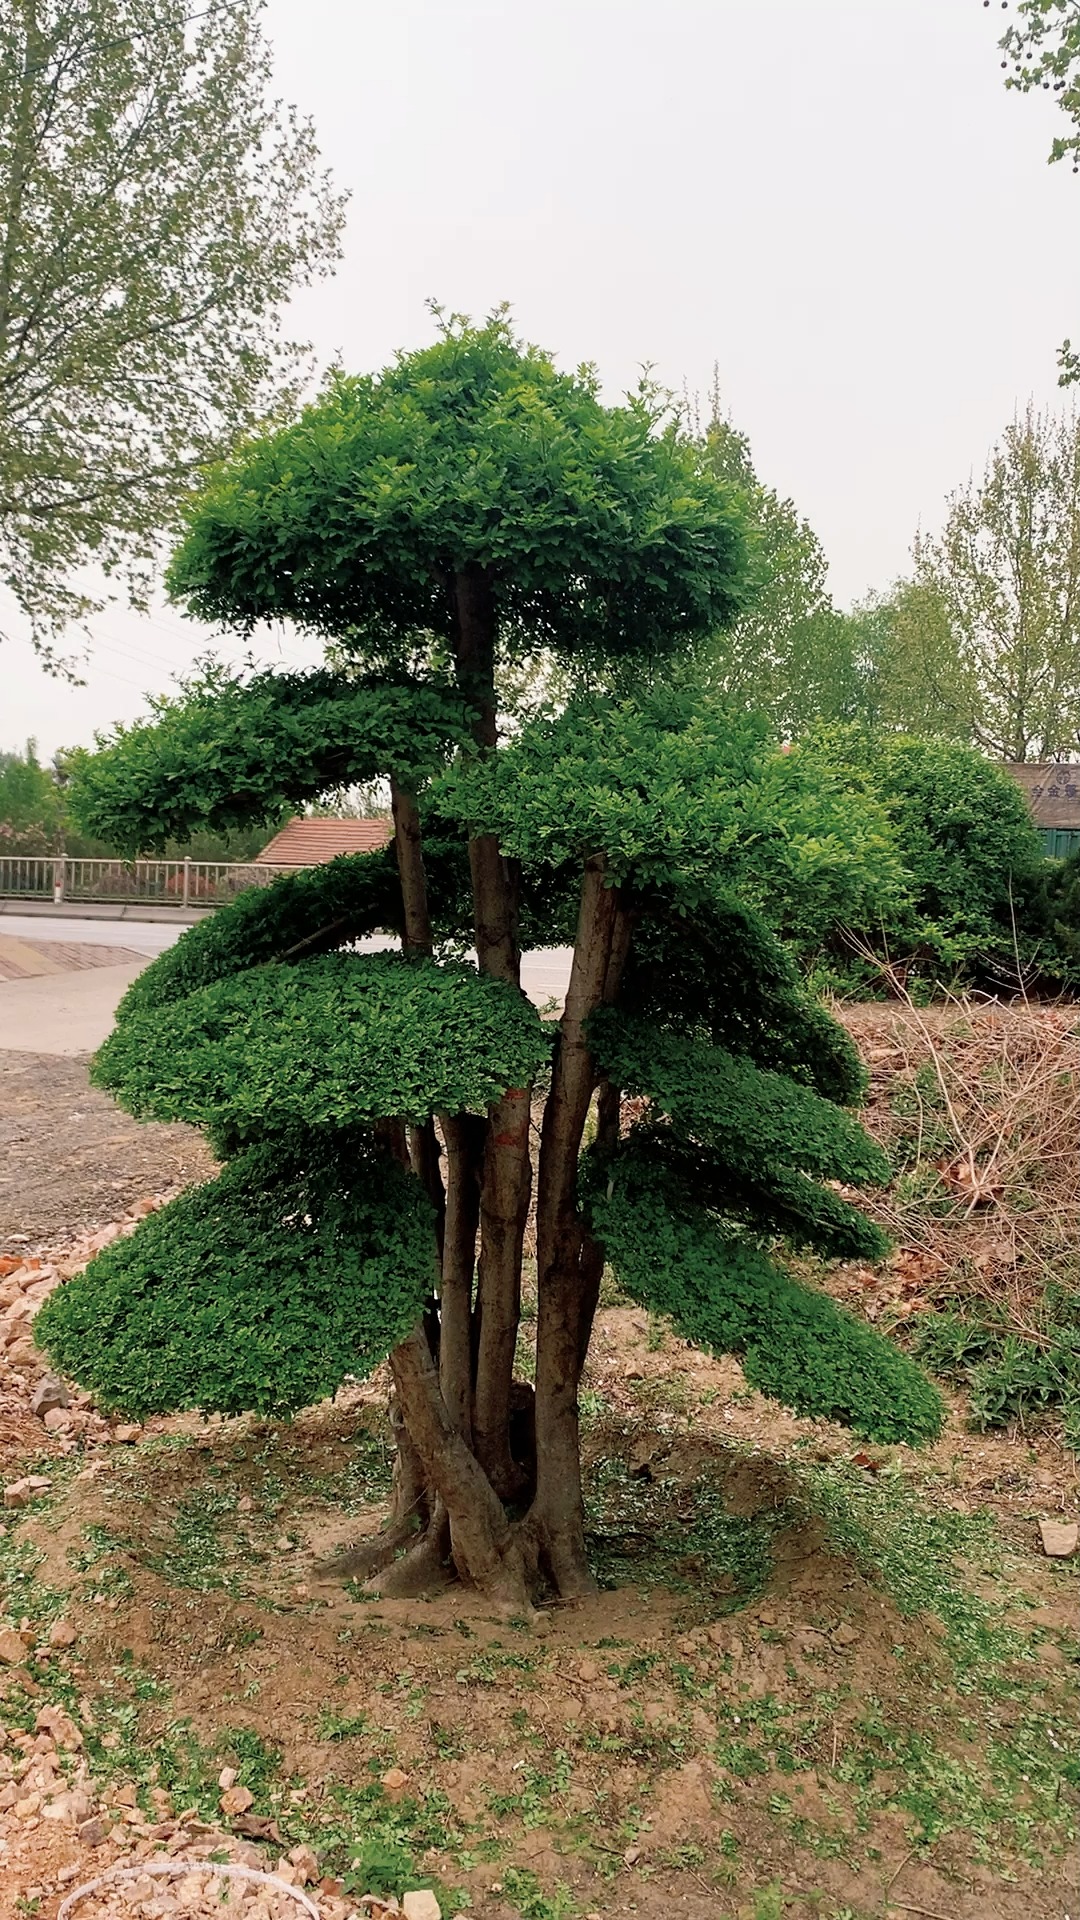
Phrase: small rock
(844, 1635)
(61, 1634)
(420, 1905)
(16, 1494)
(92, 1833)
(56, 1420)
(49, 1395)
(126, 1436)
(245, 1504)
(588, 1671)
(12, 1647)
(395, 1781)
(25, 1809)
(306, 1864)
(1060, 1538)
(236, 1800)
(38, 1482)
(631, 1856)
(227, 1778)
(283, 1544)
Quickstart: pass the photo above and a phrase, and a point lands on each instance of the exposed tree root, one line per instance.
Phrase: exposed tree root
(368, 1556)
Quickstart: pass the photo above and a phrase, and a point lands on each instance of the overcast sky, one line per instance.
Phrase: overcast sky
(836, 201)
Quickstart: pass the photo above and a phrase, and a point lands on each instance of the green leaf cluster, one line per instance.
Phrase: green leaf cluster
(968, 850)
(261, 1290)
(231, 749)
(724, 1294)
(742, 1143)
(713, 967)
(751, 1118)
(314, 910)
(333, 1042)
(673, 784)
(598, 529)
(161, 206)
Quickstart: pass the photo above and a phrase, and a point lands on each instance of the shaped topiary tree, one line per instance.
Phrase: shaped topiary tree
(375, 1112)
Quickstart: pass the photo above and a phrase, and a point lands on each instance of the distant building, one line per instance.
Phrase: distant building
(1052, 789)
(309, 842)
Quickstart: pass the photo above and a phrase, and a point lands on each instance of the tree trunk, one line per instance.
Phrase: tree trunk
(568, 1274)
(485, 1552)
(507, 1179)
(464, 1135)
(417, 938)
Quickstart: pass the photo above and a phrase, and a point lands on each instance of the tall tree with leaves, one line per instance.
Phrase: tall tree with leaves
(788, 654)
(1005, 571)
(157, 209)
(907, 662)
(1042, 52)
(378, 1114)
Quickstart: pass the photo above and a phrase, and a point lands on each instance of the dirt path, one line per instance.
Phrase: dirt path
(70, 1160)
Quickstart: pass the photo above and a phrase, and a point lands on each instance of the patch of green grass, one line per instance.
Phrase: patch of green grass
(22, 1594)
(333, 1726)
(524, 1890)
(530, 1799)
(194, 1557)
(922, 1551)
(677, 1535)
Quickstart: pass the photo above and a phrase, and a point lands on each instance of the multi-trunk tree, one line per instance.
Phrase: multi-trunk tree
(387, 1120)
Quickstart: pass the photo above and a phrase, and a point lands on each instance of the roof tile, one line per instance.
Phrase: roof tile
(308, 842)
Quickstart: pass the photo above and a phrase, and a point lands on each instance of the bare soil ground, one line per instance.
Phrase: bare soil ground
(70, 1160)
(821, 1682)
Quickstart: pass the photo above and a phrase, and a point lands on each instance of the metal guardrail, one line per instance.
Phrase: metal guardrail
(160, 883)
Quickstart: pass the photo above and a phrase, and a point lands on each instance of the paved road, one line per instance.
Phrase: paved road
(73, 1012)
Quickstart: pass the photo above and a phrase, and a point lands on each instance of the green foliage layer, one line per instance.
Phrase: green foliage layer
(724, 1294)
(781, 1202)
(675, 783)
(752, 1119)
(714, 968)
(230, 751)
(332, 1042)
(314, 910)
(598, 529)
(261, 1290)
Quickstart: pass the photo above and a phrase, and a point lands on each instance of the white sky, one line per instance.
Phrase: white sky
(835, 200)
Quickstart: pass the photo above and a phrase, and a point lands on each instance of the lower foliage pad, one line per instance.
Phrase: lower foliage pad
(260, 1291)
(724, 1294)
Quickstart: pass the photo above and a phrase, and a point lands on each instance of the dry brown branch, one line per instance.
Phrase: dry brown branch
(988, 1201)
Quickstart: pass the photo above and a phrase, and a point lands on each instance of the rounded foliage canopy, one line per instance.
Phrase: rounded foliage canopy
(259, 1291)
(598, 529)
(230, 750)
(338, 1041)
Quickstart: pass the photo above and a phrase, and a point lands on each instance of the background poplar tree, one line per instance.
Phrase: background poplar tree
(157, 209)
(382, 1116)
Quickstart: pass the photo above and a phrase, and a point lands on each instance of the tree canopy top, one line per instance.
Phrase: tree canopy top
(595, 529)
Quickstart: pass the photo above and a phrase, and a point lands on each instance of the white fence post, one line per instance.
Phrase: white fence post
(58, 881)
(187, 881)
